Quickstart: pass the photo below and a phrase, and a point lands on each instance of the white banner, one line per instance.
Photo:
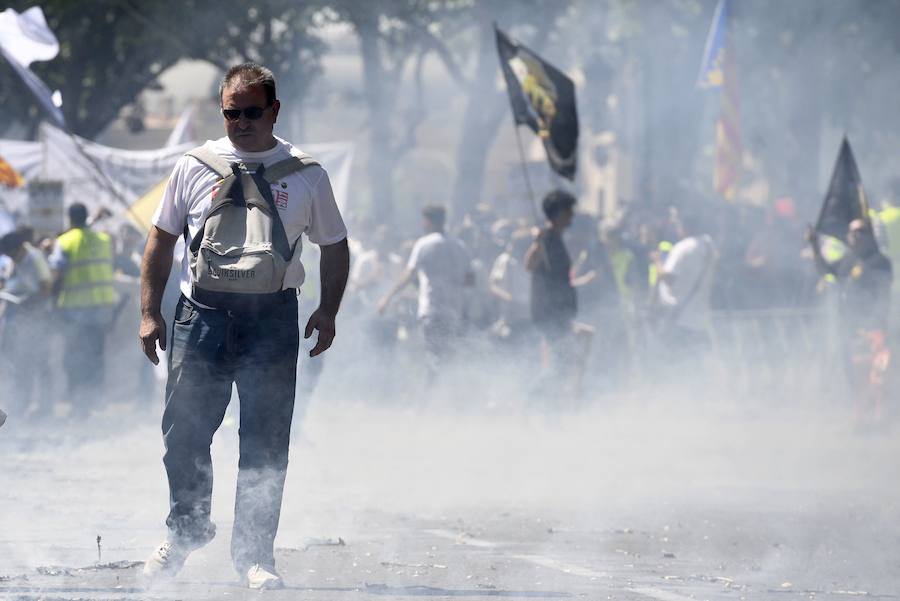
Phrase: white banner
(129, 173)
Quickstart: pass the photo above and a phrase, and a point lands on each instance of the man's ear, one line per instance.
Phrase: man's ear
(275, 106)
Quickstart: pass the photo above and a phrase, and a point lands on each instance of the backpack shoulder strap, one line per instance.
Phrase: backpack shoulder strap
(282, 169)
(208, 157)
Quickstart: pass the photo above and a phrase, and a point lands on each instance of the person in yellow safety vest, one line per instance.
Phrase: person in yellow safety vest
(889, 217)
(85, 298)
(625, 270)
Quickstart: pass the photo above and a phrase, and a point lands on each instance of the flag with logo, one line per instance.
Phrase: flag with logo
(24, 39)
(717, 71)
(845, 200)
(543, 98)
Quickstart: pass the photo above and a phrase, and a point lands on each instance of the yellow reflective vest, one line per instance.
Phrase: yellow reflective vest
(88, 278)
(890, 219)
(664, 247)
(621, 260)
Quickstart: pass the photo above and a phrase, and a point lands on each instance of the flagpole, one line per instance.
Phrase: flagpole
(531, 198)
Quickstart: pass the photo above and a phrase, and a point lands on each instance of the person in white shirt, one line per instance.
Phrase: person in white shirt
(510, 285)
(254, 348)
(443, 267)
(24, 337)
(685, 286)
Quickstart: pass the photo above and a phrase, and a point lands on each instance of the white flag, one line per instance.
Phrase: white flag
(24, 39)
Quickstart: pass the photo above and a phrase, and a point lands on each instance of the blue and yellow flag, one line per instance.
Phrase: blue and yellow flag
(718, 71)
(712, 69)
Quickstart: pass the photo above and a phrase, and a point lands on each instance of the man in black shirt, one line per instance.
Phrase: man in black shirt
(553, 298)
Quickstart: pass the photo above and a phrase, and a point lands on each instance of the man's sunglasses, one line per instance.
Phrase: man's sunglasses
(251, 112)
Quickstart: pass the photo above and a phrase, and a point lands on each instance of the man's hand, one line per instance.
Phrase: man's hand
(536, 253)
(324, 323)
(154, 272)
(153, 328)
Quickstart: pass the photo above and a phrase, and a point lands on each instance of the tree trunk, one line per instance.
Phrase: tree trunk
(481, 121)
(381, 161)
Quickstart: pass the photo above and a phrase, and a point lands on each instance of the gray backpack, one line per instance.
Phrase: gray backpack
(239, 256)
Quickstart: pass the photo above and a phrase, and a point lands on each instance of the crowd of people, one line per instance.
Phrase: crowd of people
(594, 306)
(586, 306)
(59, 306)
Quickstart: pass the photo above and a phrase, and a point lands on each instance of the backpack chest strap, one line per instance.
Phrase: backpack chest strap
(282, 169)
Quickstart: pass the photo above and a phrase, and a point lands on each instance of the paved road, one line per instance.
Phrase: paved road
(649, 502)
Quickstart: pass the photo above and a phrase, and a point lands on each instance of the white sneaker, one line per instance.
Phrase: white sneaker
(166, 561)
(263, 577)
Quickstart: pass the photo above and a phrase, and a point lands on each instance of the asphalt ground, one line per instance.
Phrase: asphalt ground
(625, 500)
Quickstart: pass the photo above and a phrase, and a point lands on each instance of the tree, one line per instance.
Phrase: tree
(112, 50)
(391, 33)
(810, 67)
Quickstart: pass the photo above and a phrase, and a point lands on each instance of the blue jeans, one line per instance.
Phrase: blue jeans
(211, 349)
(84, 353)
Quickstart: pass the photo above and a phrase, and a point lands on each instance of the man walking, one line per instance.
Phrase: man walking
(864, 276)
(24, 331)
(242, 203)
(83, 265)
(554, 302)
(684, 290)
(443, 266)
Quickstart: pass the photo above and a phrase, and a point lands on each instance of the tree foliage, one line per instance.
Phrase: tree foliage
(112, 50)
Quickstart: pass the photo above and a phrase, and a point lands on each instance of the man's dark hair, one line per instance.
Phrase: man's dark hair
(435, 214)
(556, 202)
(12, 241)
(78, 214)
(246, 75)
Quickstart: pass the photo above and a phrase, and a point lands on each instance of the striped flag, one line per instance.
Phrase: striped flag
(717, 71)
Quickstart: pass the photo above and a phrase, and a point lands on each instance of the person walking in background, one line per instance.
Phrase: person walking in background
(242, 203)
(509, 285)
(554, 303)
(24, 335)
(82, 262)
(684, 290)
(443, 267)
(864, 278)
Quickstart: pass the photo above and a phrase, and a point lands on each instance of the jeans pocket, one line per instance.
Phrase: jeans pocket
(185, 313)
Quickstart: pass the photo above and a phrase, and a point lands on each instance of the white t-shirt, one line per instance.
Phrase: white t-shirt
(368, 276)
(304, 200)
(30, 276)
(442, 264)
(510, 275)
(691, 264)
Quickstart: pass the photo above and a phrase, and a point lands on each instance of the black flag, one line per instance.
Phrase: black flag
(543, 98)
(845, 200)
